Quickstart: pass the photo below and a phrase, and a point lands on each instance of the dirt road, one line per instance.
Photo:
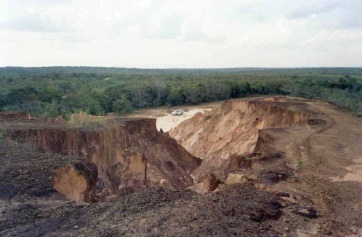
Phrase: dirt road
(166, 121)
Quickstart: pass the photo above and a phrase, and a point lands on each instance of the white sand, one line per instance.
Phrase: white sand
(167, 122)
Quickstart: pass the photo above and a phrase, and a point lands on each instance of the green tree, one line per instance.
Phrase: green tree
(235, 91)
(122, 106)
(20, 95)
(48, 94)
(176, 96)
(83, 101)
(2, 103)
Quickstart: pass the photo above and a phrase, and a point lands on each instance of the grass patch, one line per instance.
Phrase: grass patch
(83, 118)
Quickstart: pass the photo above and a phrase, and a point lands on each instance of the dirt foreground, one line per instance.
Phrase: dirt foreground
(270, 167)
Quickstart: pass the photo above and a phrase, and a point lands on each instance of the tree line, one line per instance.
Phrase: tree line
(56, 94)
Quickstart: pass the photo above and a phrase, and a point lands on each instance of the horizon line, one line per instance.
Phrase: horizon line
(182, 68)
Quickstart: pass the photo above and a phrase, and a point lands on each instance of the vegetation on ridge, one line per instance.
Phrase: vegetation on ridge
(55, 91)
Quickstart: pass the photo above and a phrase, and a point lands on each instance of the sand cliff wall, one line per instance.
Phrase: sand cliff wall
(229, 131)
(130, 155)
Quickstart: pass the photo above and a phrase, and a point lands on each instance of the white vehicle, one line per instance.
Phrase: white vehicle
(177, 112)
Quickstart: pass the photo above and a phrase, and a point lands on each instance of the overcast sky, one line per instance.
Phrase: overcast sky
(181, 33)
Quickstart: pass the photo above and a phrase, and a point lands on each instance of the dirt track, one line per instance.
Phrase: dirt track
(329, 163)
(166, 121)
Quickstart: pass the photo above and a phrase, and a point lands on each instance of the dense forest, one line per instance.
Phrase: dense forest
(54, 91)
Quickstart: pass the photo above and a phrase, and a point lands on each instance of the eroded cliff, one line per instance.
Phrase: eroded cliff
(76, 180)
(231, 131)
(129, 154)
(293, 179)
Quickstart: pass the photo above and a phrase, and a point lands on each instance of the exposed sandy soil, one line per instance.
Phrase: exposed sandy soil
(166, 121)
(31, 207)
(318, 164)
(128, 155)
(300, 180)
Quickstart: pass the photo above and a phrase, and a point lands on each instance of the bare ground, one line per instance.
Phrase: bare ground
(31, 207)
(166, 121)
(322, 195)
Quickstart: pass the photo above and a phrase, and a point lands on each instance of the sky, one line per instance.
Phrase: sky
(181, 33)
